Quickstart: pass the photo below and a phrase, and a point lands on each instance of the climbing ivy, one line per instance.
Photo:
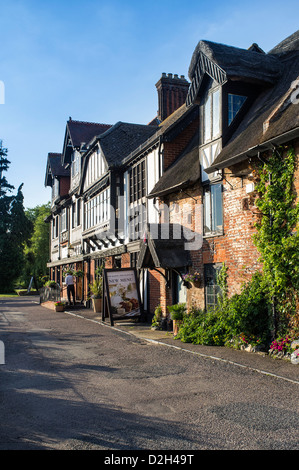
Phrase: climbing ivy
(277, 237)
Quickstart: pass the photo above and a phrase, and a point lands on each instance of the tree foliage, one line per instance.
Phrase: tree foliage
(15, 229)
(277, 237)
(36, 251)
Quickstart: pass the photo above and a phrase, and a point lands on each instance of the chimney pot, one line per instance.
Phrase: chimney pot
(171, 97)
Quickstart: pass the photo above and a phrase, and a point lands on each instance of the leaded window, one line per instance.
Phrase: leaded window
(212, 289)
(137, 182)
(96, 210)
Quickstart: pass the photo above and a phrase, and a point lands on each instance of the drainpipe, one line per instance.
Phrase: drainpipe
(160, 157)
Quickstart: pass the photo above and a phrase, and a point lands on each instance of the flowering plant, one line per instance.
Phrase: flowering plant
(58, 304)
(191, 277)
(249, 340)
(281, 344)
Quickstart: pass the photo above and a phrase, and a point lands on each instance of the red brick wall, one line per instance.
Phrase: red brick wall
(125, 260)
(173, 149)
(235, 247)
(154, 289)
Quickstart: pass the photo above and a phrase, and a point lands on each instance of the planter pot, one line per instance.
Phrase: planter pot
(176, 325)
(196, 283)
(97, 305)
(59, 308)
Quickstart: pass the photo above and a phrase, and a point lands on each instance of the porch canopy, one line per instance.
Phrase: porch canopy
(164, 247)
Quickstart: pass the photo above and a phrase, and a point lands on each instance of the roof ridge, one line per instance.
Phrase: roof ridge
(89, 123)
(122, 123)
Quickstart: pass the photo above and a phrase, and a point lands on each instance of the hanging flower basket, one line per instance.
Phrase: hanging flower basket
(79, 273)
(193, 279)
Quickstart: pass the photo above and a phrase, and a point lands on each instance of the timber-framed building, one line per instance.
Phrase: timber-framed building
(198, 151)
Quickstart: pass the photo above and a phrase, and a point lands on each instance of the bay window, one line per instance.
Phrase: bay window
(96, 210)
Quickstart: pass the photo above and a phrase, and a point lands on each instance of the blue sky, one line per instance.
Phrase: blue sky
(99, 60)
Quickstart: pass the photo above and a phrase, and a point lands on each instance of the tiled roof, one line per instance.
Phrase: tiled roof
(54, 168)
(184, 172)
(274, 115)
(82, 132)
(121, 139)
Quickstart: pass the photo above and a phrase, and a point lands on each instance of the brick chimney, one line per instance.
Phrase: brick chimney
(172, 93)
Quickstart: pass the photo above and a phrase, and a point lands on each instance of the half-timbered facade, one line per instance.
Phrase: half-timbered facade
(177, 195)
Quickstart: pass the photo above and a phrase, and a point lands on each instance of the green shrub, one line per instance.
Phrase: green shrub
(177, 311)
(247, 313)
(156, 321)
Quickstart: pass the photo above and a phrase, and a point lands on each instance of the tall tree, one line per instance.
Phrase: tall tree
(37, 248)
(15, 228)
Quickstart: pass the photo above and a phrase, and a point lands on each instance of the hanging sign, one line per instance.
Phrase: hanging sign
(121, 294)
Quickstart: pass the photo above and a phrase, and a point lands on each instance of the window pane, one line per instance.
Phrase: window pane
(205, 162)
(216, 113)
(216, 199)
(207, 120)
(207, 212)
(211, 287)
(235, 102)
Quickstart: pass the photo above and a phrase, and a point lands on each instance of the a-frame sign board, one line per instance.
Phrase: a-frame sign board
(121, 295)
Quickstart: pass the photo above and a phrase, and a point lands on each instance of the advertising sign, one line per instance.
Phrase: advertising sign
(121, 293)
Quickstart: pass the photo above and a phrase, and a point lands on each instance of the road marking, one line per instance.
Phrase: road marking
(226, 360)
(190, 352)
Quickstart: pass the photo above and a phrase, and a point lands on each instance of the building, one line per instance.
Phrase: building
(247, 108)
(177, 196)
(99, 206)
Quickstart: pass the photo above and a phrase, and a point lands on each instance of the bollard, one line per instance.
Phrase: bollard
(2, 353)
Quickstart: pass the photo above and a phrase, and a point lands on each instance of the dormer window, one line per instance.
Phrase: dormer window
(235, 103)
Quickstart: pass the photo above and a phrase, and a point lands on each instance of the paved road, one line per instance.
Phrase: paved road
(69, 383)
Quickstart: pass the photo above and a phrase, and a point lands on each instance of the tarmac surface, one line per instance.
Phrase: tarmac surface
(258, 362)
(73, 382)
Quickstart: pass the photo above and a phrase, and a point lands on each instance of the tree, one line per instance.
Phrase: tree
(36, 250)
(15, 228)
(4, 164)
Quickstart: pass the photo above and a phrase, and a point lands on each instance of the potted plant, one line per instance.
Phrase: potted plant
(96, 289)
(68, 271)
(177, 313)
(156, 321)
(51, 284)
(59, 306)
(79, 273)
